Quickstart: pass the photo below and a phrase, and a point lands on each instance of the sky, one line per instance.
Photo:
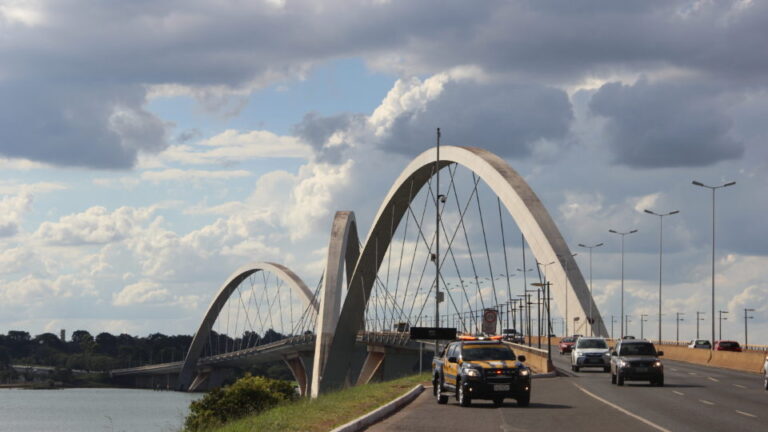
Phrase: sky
(150, 148)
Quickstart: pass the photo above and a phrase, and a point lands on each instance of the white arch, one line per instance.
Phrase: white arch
(229, 286)
(521, 202)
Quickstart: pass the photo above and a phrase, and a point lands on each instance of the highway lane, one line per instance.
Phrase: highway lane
(694, 398)
(555, 404)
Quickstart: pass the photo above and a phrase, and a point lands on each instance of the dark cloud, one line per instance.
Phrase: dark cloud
(507, 119)
(316, 131)
(666, 124)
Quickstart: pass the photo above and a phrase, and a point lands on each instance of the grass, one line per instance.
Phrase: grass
(327, 411)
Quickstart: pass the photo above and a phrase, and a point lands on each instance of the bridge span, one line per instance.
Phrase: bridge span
(458, 250)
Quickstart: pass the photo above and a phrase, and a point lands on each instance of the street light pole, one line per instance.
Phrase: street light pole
(677, 331)
(590, 320)
(643, 319)
(560, 257)
(746, 330)
(545, 286)
(698, 319)
(713, 188)
(626, 325)
(613, 321)
(661, 230)
(721, 325)
(622, 234)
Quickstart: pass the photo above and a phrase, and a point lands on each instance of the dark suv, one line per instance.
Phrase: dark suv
(636, 360)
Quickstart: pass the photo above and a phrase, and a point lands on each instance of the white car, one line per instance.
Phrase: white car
(590, 352)
(700, 343)
(765, 374)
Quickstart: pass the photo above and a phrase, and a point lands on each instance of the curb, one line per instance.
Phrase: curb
(545, 375)
(380, 413)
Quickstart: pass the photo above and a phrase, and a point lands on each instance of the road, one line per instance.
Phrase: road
(694, 398)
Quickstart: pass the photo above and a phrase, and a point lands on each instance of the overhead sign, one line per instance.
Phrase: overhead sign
(432, 333)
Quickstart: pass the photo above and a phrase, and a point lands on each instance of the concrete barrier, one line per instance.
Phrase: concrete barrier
(743, 361)
(535, 358)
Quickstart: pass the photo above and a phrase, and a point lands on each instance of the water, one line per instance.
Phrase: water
(86, 410)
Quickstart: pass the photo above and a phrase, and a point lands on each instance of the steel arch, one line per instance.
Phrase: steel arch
(229, 286)
(544, 239)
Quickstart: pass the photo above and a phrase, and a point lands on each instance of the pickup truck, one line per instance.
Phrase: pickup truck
(480, 369)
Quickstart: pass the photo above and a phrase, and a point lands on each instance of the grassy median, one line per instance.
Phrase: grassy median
(327, 411)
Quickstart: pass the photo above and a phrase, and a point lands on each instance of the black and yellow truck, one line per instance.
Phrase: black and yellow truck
(480, 368)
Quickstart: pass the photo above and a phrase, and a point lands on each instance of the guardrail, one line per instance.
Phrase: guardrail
(535, 358)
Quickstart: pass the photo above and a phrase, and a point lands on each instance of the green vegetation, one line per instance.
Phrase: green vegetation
(327, 411)
(248, 395)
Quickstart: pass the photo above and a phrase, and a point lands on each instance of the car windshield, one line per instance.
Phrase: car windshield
(567, 340)
(729, 344)
(487, 353)
(637, 349)
(591, 343)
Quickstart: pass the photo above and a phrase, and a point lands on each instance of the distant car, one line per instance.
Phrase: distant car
(726, 345)
(590, 352)
(628, 337)
(765, 374)
(566, 345)
(636, 360)
(700, 343)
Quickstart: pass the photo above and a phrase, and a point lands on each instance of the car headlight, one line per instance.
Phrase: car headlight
(657, 364)
(621, 363)
(472, 372)
(525, 372)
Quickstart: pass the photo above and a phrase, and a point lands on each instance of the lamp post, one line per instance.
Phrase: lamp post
(622, 234)
(713, 188)
(746, 330)
(661, 231)
(589, 318)
(626, 325)
(698, 319)
(643, 319)
(613, 321)
(545, 287)
(565, 320)
(677, 329)
(721, 325)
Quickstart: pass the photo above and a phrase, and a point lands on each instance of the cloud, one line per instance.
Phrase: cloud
(666, 124)
(93, 226)
(142, 292)
(12, 209)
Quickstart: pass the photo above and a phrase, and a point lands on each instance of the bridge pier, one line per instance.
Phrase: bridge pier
(387, 363)
(208, 378)
(300, 365)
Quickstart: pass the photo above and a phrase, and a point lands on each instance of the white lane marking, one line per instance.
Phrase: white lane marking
(674, 369)
(706, 402)
(691, 373)
(631, 414)
(678, 393)
(740, 386)
(746, 414)
(713, 379)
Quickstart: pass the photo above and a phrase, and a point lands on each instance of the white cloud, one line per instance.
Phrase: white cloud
(142, 292)
(93, 226)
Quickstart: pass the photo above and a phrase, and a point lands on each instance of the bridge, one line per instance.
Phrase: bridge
(442, 250)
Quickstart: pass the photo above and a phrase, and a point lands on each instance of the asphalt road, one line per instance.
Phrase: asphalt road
(694, 398)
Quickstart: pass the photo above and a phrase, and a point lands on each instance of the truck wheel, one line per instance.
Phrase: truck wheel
(613, 378)
(619, 379)
(442, 398)
(660, 382)
(462, 396)
(524, 400)
(606, 369)
(575, 368)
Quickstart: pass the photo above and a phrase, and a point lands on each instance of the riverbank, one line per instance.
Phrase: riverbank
(327, 411)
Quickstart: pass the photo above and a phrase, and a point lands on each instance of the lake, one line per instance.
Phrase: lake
(86, 409)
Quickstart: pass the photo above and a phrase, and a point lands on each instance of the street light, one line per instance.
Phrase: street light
(590, 320)
(626, 323)
(697, 323)
(713, 188)
(677, 331)
(622, 234)
(643, 319)
(545, 286)
(565, 321)
(746, 330)
(661, 230)
(721, 325)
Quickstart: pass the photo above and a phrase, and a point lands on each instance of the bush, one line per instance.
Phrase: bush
(247, 395)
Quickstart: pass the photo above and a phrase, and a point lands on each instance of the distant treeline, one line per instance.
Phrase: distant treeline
(106, 351)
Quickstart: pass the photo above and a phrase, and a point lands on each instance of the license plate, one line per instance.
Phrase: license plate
(641, 369)
(501, 387)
